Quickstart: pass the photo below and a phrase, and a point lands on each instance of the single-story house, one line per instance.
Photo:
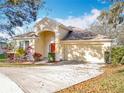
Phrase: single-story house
(68, 43)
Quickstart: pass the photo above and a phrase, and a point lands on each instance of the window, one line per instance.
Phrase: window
(21, 44)
(26, 44)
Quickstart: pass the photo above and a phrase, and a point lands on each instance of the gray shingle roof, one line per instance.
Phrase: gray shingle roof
(74, 35)
(29, 34)
(79, 34)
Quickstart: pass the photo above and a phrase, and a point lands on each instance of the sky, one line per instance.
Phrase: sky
(76, 13)
(79, 13)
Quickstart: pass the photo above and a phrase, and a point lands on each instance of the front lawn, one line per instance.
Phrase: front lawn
(112, 81)
(2, 60)
(19, 65)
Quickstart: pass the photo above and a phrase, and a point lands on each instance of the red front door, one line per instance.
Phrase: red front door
(52, 47)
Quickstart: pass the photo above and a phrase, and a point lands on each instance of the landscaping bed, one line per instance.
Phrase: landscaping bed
(109, 82)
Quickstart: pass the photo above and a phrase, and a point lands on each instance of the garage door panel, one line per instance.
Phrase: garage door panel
(83, 52)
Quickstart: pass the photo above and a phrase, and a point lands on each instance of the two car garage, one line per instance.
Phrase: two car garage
(85, 50)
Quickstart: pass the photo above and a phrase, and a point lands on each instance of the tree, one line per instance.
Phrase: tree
(19, 13)
(120, 36)
(112, 19)
(114, 16)
(111, 23)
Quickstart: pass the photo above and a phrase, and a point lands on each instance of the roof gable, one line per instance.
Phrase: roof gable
(26, 35)
(48, 24)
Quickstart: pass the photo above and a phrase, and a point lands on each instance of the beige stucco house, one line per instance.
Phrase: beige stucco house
(68, 43)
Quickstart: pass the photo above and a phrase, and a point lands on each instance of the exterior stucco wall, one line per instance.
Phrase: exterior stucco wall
(17, 44)
(92, 51)
(31, 42)
(39, 44)
(62, 33)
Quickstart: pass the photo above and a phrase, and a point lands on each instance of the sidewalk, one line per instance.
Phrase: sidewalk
(8, 86)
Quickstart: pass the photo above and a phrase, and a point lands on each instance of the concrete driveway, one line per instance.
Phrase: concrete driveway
(49, 79)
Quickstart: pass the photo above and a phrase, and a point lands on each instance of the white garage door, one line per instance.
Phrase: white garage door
(89, 53)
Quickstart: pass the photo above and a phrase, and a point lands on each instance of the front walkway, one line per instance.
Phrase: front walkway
(47, 79)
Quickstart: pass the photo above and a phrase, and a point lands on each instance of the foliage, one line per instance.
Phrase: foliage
(20, 52)
(111, 23)
(117, 55)
(10, 45)
(37, 56)
(10, 56)
(14, 1)
(51, 57)
(2, 56)
(107, 56)
(114, 16)
(18, 13)
(122, 60)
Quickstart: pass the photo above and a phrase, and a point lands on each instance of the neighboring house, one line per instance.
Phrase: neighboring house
(67, 43)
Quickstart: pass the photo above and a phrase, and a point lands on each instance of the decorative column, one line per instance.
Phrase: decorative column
(33, 44)
(57, 44)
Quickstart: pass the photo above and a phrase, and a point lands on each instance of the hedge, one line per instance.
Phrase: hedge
(117, 55)
(107, 57)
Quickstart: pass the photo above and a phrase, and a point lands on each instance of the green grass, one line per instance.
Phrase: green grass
(113, 83)
(2, 60)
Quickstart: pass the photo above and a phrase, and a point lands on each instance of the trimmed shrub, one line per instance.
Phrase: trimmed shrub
(122, 60)
(10, 56)
(117, 55)
(37, 56)
(107, 57)
(20, 52)
(51, 57)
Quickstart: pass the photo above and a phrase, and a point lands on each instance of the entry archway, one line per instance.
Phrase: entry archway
(44, 42)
